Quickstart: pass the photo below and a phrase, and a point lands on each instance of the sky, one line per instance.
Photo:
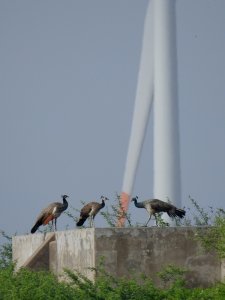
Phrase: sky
(67, 90)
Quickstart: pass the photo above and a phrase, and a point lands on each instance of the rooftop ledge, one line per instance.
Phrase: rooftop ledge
(126, 251)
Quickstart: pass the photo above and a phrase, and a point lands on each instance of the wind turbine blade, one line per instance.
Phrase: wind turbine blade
(143, 101)
(166, 129)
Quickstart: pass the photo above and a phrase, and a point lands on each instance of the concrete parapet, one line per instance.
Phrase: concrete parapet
(76, 251)
(32, 251)
(39, 260)
(126, 251)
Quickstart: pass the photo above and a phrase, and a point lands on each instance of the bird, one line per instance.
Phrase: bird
(90, 210)
(154, 206)
(50, 213)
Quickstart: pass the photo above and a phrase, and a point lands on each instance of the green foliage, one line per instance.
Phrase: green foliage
(210, 227)
(201, 217)
(172, 275)
(160, 221)
(115, 211)
(113, 288)
(5, 251)
(214, 237)
(26, 285)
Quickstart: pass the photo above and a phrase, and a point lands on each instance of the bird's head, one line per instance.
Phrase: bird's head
(64, 196)
(103, 198)
(134, 199)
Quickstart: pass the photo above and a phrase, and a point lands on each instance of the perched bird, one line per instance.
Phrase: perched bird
(154, 206)
(50, 213)
(90, 210)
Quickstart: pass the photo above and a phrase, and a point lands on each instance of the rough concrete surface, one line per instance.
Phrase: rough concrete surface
(125, 251)
(148, 250)
(76, 251)
(24, 248)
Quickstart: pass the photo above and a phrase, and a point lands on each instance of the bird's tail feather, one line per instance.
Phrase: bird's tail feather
(35, 227)
(171, 214)
(81, 221)
(176, 213)
(180, 213)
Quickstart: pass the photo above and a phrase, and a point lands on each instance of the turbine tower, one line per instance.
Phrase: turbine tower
(157, 76)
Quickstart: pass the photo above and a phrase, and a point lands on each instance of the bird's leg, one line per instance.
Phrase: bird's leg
(148, 220)
(90, 221)
(52, 225)
(55, 224)
(156, 220)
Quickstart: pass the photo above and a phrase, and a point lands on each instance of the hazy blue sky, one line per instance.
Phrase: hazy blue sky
(68, 81)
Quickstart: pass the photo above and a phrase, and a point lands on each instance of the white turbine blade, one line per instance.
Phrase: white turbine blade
(166, 133)
(143, 100)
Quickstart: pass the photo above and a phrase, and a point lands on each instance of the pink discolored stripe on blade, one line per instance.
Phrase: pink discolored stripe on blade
(124, 200)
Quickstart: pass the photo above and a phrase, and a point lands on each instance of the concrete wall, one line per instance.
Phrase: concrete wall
(75, 250)
(149, 250)
(24, 246)
(126, 251)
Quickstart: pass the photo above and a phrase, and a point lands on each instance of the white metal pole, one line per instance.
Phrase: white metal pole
(167, 183)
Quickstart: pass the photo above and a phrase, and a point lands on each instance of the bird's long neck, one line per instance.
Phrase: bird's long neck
(138, 204)
(65, 203)
(103, 203)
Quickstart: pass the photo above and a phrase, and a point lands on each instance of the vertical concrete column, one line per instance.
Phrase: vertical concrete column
(223, 270)
(53, 257)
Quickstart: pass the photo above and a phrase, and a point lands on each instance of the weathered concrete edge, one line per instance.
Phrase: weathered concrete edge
(102, 235)
(43, 248)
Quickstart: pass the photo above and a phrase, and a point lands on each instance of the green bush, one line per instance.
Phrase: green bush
(5, 251)
(214, 237)
(26, 285)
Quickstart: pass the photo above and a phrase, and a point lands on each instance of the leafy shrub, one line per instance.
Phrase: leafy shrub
(214, 237)
(5, 251)
(26, 285)
(172, 275)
